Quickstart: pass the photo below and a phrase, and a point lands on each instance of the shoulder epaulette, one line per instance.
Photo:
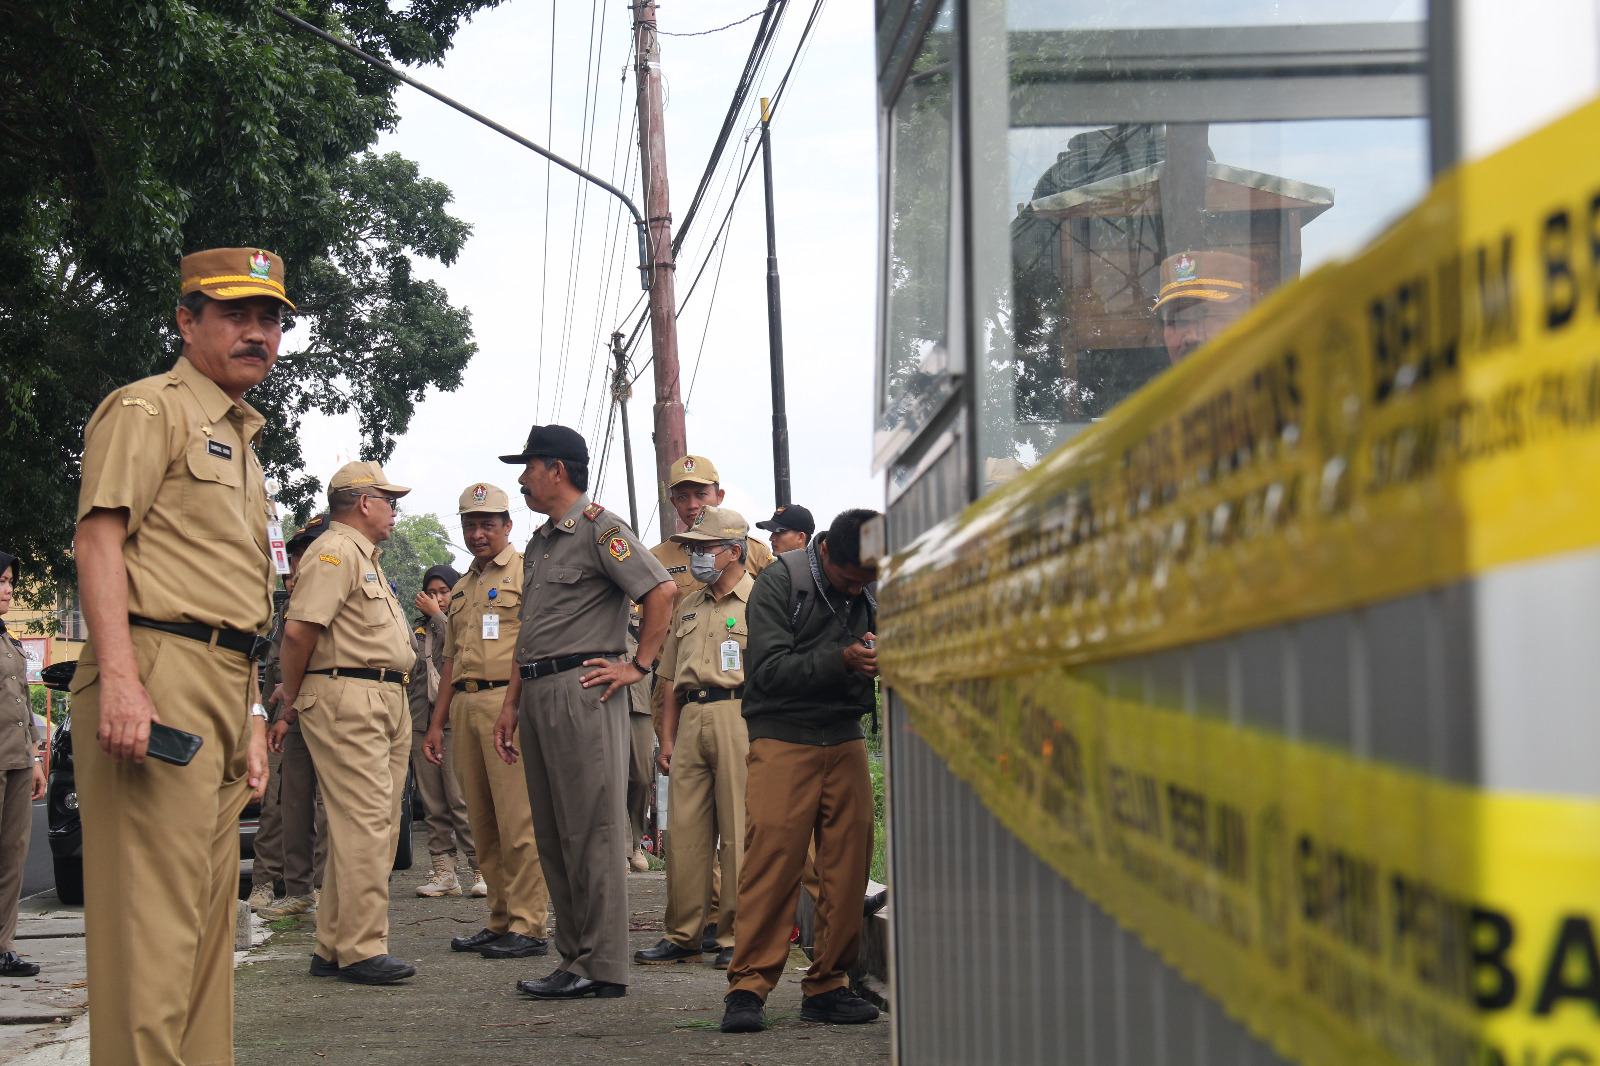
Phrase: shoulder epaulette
(593, 511)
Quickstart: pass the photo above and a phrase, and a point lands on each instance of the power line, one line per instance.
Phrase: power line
(707, 33)
(766, 33)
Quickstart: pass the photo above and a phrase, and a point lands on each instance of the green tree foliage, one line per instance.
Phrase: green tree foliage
(419, 541)
(132, 132)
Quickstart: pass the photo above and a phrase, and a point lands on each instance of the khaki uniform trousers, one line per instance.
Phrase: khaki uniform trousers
(161, 851)
(16, 827)
(441, 800)
(575, 757)
(267, 867)
(359, 735)
(797, 793)
(641, 776)
(496, 796)
(305, 820)
(706, 801)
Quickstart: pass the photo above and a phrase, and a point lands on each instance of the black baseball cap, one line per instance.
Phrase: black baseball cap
(552, 442)
(307, 533)
(792, 517)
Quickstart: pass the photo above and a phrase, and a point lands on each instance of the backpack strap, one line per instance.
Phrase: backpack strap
(802, 588)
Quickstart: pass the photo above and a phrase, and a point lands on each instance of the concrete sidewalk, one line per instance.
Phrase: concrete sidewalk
(39, 1016)
(464, 1008)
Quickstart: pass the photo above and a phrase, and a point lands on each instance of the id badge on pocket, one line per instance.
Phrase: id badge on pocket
(491, 627)
(280, 554)
(730, 655)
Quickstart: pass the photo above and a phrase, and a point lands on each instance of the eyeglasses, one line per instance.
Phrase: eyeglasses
(394, 504)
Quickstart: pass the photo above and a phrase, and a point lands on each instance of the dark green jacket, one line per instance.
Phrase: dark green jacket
(796, 687)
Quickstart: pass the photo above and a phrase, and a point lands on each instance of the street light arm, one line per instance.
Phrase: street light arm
(372, 60)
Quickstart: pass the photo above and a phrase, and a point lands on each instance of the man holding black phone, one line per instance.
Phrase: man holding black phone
(175, 575)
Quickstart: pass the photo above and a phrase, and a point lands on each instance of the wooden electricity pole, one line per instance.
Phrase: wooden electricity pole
(670, 439)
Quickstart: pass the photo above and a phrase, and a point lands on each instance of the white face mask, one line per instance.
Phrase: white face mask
(703, 567)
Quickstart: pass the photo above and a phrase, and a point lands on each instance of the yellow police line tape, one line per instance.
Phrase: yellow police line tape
(1423, 413)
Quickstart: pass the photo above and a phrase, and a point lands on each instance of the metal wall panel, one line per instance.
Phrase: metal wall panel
(999, 960)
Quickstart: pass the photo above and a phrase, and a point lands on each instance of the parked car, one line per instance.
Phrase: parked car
(66, 828)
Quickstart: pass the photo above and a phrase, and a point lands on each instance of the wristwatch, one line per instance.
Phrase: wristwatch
(258, 711)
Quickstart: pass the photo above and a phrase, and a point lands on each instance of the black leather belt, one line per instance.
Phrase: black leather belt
(391, 677)
(477, 686)
(546, 667)
(712, 695)
(251, 645)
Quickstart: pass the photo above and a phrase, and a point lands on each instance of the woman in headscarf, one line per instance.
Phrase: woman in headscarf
(21, 776)
(441, 795)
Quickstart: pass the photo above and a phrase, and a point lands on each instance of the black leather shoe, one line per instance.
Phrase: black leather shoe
(11, 965)
(666, 952)
(838, 1006)
(476, 942)
(576, 988)
(743, 1012)
(321, 967)
(724, 959)
(874, 903)
(378, 970)
(555, 982)
(708, 939)
(515, 946)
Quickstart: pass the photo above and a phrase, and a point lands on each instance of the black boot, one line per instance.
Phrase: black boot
(742, 1013)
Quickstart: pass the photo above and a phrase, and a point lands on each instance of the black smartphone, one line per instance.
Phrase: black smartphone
(172, 745)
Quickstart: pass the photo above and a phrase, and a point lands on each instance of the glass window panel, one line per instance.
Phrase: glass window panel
(1133, 242)
(915, 375)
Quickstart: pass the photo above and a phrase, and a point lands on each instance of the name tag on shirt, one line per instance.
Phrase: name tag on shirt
(730, 655)
(280, 555)
(491, 627)
(219, 449)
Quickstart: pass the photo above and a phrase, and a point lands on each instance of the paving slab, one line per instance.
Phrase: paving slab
(462, 1007)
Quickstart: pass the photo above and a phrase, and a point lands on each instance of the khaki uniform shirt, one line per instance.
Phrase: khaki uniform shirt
(472, 658)
(427, 636)
(578, 574)
(675, 557)
(177, 453)
(342, 588)
(19, 740)
(692, 656)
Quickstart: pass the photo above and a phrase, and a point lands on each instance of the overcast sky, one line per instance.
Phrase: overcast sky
(825, 173)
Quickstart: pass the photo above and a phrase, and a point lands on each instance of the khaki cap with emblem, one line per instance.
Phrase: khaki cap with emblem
(696, 468)
(715, 524)
(234, 273)
(1220, 277)
(367, 475)
(484, 498)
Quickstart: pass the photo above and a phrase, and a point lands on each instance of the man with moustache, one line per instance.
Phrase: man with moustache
(580, 570)
(482, 623)
(346, 661)
(176, 581)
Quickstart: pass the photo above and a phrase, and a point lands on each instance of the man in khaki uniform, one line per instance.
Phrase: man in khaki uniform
(704, 749)
(580, 569)
(449, 829)
(176, 581)
(346, 660)
(303, 819)
(693, 485)
(480, 640)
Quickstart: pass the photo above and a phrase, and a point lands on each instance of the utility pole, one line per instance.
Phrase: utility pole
(621, 390)
(780, 413)
(670, 438)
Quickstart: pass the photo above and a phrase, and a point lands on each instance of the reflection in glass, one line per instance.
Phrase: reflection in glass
(1132, 243)
(916, 372)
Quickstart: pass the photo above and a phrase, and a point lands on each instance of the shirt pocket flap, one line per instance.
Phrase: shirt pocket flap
(374, 589)
(506, 598)
(566, 575)
(684, 626)
(208, 467)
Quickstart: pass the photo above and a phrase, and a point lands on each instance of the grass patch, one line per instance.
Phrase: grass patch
(880, 839)
(284, 924)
